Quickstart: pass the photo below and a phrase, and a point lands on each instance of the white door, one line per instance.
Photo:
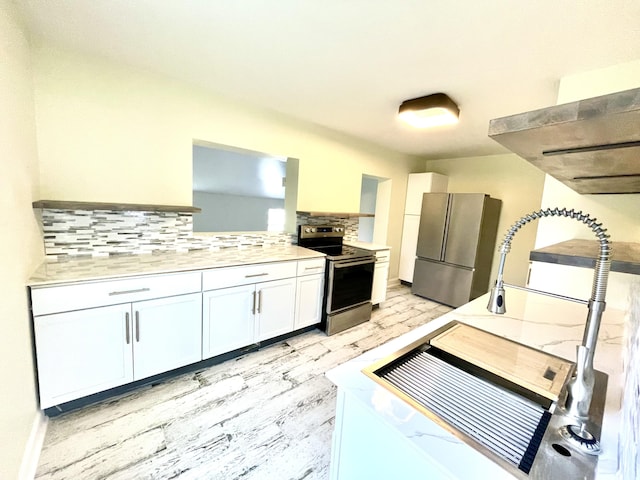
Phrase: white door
(228, 322)
(276, 307)
(167, 334)
(309, 291)
(408, 247)
(83, 352)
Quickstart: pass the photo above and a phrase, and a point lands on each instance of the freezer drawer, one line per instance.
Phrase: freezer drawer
(442, 283)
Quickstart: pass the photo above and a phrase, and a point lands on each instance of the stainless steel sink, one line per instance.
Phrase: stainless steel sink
(494, 412)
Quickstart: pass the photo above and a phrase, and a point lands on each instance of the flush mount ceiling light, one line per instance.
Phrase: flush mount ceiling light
(430, 111)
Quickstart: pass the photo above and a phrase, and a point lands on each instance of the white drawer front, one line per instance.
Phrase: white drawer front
(64, 298)
(309, 267)
(383, 255)
(233, 276)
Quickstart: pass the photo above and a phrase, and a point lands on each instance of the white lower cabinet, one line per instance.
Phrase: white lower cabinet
(83, 352)
(380, 277)
(228, 322)
(166, 334)
(96, 335)
(275, 309)
(309, 292)
(88, 351)
(239, 316)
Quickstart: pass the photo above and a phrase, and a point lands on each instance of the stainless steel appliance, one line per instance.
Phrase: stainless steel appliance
(348, 277)
(456, 241)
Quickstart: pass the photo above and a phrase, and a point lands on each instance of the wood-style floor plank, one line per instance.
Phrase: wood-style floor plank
(266, 415)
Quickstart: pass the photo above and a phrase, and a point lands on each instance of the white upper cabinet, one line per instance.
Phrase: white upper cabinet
(420, 183)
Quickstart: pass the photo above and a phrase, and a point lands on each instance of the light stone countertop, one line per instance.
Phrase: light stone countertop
(549, 324)
(77, 269)
(374, 247)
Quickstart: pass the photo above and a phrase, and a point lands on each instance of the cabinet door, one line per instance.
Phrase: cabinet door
(82, 352)
(380, 279)
(419, 183)
(228, 322)
(309, 292)
(276, 308)
(408, 247)
(167, 334)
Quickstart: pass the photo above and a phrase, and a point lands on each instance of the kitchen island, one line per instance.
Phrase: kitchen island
(378, 435)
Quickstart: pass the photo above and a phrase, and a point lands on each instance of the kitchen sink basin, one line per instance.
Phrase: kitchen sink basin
(500, 397)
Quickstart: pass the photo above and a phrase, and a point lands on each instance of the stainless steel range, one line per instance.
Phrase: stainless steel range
(348, 277)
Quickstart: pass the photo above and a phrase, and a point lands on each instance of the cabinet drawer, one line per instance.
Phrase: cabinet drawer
(64, 298)
(247, 274)
(383, 255)
(309, 267)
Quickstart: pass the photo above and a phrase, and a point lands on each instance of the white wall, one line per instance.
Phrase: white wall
(20, 245)
(107, 132)
(514, 181)
(615, 78)
(368, 193)
(620, 214)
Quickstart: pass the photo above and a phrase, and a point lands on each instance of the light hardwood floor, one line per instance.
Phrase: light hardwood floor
(266, 415)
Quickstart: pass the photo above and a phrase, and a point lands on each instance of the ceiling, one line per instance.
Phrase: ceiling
(348, 64)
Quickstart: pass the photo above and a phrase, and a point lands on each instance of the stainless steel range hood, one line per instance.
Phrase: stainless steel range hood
(592, 145)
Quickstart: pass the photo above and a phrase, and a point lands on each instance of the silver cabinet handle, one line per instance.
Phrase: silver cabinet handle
(256, 275)
(253, 309)
(127, 335)
(124, 292)
(137, 326)
(259, 300)
(313, 268)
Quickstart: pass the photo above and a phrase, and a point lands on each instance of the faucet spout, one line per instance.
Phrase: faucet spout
(580, 387)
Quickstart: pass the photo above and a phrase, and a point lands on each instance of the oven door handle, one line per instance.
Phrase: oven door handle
(353, 264)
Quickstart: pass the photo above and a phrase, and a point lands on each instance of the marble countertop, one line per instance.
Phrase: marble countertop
(374, 247)
(549, 324)
(583, 253)
(98, 268)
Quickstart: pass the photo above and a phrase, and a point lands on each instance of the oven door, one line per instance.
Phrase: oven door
(349, 283)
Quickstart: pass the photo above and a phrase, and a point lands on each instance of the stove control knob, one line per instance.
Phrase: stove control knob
(307, 230)
(313, 229)
(338, 229)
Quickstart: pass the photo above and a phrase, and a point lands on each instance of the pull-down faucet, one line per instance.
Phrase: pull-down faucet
(580, 387)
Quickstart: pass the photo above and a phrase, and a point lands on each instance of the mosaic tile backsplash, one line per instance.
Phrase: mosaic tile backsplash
(100, 233)
(630, 434)
(350, 224)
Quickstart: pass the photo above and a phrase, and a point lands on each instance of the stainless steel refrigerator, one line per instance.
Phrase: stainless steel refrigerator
(456, 242)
